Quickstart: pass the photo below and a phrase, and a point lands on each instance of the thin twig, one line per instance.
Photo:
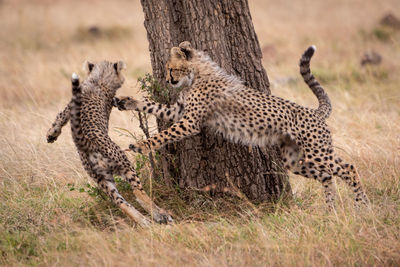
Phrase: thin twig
(144, 125)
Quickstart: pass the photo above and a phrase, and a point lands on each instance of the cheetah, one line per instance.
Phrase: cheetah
(89, 111)
(222, 102)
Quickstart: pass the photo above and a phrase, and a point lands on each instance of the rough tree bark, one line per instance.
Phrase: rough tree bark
(225, 30)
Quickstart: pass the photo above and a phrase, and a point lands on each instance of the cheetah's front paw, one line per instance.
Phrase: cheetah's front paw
(52, 134)
(141, 147)
(125, 103)
(115, 102)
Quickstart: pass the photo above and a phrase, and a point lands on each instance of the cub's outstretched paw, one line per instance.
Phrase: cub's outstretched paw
(51, 139)
(52, 135)
(125, 103)
(115, 102)
(140, 147)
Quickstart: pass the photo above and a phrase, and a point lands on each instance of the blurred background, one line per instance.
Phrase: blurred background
(43, 41)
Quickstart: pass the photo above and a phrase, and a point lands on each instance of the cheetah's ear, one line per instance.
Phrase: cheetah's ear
(176, 52)
(119, 66)
(186, 48)
(88, 67)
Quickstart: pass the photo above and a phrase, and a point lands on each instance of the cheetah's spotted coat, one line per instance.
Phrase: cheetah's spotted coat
(89, 112)
(223, 103)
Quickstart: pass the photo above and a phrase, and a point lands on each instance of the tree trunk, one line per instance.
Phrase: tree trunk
(225, 31)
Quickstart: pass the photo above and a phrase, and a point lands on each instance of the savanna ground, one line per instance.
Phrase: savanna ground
(45, 219)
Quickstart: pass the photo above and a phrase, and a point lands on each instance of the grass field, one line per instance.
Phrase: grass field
(45, 219)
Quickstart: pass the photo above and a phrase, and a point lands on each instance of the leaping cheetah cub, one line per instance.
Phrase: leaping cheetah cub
(89, 112)
(222, 102)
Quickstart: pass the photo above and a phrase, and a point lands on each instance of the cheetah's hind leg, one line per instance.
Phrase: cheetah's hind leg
(110, 189)
(98, 170)
(348, 173)
(122, 166)
(311, 170)
(158, 214)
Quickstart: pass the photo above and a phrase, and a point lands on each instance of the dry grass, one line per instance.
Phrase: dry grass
(42, 222)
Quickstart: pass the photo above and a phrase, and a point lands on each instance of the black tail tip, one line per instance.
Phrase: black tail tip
(310, 51)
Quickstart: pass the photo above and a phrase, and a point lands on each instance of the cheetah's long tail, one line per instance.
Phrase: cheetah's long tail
(325, 108)
(76, 104)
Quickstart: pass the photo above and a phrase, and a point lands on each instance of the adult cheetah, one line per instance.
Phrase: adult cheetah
(222, 102)
(89, 112)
